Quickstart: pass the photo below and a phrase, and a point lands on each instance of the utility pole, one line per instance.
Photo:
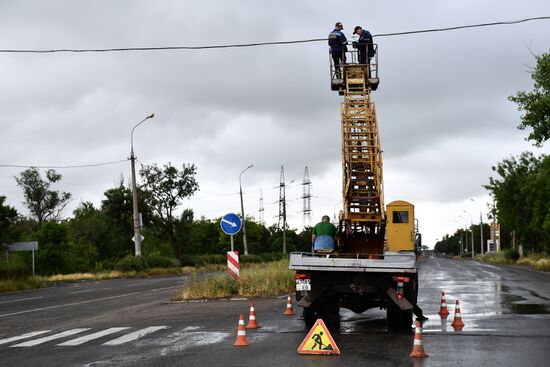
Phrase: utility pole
(472, 232)
(137, 222)
(480, 225)
(245, 243)
(261, 216)
(306, 196)
(282, 207)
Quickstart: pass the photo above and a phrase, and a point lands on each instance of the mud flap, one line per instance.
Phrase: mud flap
(403, 303)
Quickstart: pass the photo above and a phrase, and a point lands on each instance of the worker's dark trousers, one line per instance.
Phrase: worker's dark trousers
(337, 58)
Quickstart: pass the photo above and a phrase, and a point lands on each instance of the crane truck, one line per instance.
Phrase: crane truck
(374, 263)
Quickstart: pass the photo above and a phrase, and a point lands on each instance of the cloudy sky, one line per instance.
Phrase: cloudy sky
(442, 106)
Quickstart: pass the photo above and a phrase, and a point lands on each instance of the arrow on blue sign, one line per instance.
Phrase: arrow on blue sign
(231, 223)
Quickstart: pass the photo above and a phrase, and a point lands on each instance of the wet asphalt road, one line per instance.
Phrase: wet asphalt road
(506, 311)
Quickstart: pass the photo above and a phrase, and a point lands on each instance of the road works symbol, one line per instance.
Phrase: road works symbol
(318, 341)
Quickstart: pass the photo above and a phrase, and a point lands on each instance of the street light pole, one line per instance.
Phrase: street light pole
(245, 243)
(480, 224)
(137, 224)
(461, 241)
(465, 232)
(472, 231)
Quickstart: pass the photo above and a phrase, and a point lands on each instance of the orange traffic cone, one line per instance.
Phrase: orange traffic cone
(418, 348)
(457, 322)
(252, 324)
(443, 312)
(289, 310)
(241, 340)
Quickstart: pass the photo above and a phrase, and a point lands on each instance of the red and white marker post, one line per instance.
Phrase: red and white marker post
(233, 264)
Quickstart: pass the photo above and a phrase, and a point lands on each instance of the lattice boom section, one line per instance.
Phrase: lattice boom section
(362, 159)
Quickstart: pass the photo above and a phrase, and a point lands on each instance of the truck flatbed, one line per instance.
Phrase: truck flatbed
(388, 263)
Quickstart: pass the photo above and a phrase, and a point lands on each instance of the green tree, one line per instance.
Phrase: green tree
(536, 104)
(521, 194)
(168, 187)
(8, 217)
(42, 202)
(116, 208)
(88, 233)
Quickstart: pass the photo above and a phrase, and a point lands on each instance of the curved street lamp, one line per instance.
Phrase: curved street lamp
(137, 224)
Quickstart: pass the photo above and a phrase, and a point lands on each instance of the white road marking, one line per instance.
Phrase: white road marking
(23, 336)
(45, 339)
(69, 304)
(163, 289)
(19, 300)
(135, 335)
(86, 338)
(86, 291)
(136, 284)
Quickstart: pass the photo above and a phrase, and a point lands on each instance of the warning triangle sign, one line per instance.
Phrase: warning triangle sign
(318, 341)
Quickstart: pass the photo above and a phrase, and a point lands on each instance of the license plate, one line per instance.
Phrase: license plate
(303, 285)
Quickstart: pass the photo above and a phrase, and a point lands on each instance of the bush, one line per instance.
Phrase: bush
(202, 260)
(161, 262)
(511, 254)
(132, 263)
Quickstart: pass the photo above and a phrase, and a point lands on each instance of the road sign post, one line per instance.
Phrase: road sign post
(231, 224)
(23, 246)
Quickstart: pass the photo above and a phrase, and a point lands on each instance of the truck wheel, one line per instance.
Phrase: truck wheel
(310, 317)
(329, 311)
(398, 319)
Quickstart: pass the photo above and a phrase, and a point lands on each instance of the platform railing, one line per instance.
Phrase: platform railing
(351, 57)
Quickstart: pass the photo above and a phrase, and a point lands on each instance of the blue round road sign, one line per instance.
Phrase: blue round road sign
(231, 223)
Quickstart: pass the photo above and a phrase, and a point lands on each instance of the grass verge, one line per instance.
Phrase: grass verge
(497, 258)
(538, 262)
(27, 283)
(257, 280)
(23, 284)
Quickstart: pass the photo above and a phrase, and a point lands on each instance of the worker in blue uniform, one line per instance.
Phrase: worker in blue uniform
(364, 44)
(337, 42)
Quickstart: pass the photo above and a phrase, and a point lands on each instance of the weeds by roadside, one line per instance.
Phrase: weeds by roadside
(257, 280)
(511, 257)
(29, 282)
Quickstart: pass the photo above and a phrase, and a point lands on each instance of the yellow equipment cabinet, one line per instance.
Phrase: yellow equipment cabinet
(400, 226)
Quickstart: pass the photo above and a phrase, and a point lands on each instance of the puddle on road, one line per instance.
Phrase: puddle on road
(530, 308)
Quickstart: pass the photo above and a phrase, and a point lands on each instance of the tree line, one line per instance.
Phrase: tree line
(521, 186)
(100, 237)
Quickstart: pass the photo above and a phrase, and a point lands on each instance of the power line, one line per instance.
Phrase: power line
(63, 167)
(256, 44)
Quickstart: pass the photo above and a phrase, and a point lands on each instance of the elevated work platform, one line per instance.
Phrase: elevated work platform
(362, 219)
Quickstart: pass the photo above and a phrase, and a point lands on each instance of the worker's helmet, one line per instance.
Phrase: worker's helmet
(339, 24)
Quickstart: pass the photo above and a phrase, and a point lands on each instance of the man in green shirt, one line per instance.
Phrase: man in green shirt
(323, 237)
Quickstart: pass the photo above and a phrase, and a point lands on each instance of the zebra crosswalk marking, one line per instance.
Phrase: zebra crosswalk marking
(23, 336)
(135, 335)
(32, 343)
(86, 338)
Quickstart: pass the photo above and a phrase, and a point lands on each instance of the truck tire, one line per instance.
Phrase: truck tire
(326, 309)
(310, 316)
(329, 311)
(398, 320)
